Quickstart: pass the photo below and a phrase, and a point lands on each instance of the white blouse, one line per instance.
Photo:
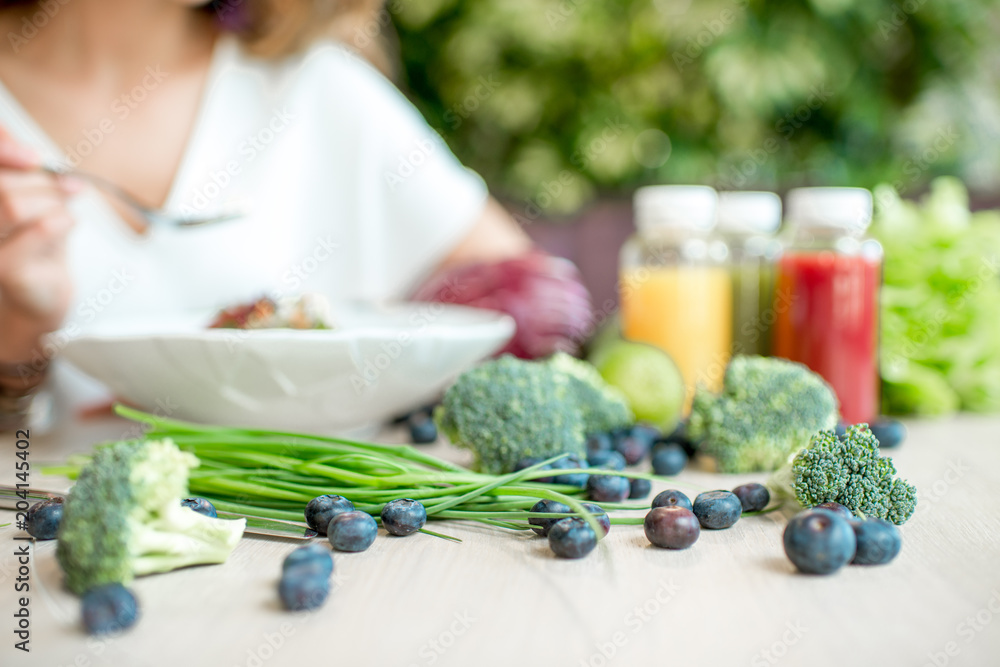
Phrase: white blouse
(345, 191)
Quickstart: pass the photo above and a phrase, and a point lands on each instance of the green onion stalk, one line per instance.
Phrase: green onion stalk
(274, 474)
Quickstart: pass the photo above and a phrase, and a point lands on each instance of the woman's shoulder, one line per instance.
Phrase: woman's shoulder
(326, 68)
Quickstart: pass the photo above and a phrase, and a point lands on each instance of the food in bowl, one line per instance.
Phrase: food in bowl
(307, 311)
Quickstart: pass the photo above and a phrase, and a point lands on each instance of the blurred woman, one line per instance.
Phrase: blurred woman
(245, 105)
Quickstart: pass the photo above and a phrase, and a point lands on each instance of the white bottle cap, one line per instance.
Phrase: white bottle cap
(841, 208)
(749, 212)
(678, 206)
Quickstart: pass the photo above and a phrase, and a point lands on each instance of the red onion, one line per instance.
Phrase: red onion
(545, 295)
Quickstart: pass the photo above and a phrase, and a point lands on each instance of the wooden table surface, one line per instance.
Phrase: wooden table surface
(503, 599)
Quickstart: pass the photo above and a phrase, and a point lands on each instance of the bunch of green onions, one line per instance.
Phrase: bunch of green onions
(274, 474)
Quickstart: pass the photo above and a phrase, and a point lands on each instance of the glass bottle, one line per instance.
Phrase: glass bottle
(748, 222)
(827, 294)
(675, 289)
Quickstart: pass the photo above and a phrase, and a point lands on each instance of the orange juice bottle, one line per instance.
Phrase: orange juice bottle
(676, 291)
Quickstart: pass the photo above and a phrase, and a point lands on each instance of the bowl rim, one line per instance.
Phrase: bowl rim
(481, 319)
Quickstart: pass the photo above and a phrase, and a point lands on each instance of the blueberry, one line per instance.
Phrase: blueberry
(530, 461)
(423, 430)
(672, 527)
(890, 432)
(669, 459)
(878, 541)
(312, 555)
(543, 525)
(753, 496)
(352, 531)
(572, 538)
(201, 506)
(717, 509)
(568, 463)
(599, 442)
(527, 462)
(633, 449)
(840, 429)
(603, 519)
(842, 510)
(609, 460)
(404, 516)
(678, 436)
(109, 609)
(321, 509)
(819, 541)
(43, 519)
(646, 433)
(639, 489)
(619, 433)
(608, 488)
(672, 497)
(303, 587)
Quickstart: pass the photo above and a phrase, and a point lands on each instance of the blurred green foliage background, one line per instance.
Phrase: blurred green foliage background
(600, 96)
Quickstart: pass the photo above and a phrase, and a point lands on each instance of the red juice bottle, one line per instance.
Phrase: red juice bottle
(827, 295)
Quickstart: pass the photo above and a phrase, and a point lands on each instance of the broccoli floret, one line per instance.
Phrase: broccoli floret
(767, 411)
(124, 518)
(847, 470)
(603, 407)
(508, 409)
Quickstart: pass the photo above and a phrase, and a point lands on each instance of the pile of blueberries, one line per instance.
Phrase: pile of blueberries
(305, 573)
(614, 451)
(823, 539)
(820, 540)
(673, 522)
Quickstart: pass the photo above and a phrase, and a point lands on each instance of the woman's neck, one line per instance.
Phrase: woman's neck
(88, 38)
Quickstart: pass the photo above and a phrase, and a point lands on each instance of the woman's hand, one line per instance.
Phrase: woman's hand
(35, 286)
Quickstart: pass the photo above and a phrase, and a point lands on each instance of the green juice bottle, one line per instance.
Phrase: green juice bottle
(748, 222)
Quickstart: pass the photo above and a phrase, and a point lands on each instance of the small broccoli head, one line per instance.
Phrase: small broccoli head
(603, 407)
(123, 518)
(849, 470)
(768, 410)
(508, 409)
(819, 473)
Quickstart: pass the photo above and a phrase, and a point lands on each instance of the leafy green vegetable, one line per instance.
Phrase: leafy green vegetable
(124, 518)
(602, 406)
(508, 409)
(847, 470)
(940, 302)
(769, 409)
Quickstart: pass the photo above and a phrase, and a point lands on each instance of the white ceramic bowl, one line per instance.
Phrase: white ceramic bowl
(380, 362)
